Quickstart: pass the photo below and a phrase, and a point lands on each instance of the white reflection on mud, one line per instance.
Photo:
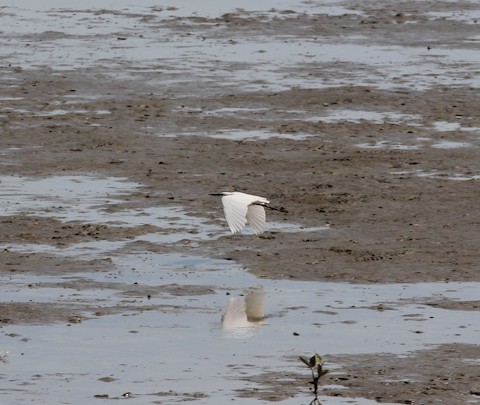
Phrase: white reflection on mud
(183, 343)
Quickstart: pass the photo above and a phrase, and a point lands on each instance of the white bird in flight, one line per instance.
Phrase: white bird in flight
(242, 208)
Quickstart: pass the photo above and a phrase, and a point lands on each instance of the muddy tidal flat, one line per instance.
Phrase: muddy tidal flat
(359, 118)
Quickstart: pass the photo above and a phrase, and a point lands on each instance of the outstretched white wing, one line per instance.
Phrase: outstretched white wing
(256, 218)
(240, 208)
(235, 210)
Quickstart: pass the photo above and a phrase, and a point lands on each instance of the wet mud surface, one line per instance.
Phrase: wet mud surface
(372, 148)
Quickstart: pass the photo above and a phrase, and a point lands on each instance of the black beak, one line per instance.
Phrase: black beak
(280, 209)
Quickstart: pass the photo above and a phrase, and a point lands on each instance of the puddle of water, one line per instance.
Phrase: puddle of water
(234, 111)
(239, 135)
(451, 145)
(372, 116)
(6, 151)
(90, 199)
(386, 145)
(183, 228)
(69, 198)
(186, 8)
(470, 17)
(16, 110)
(187, 350)
(421, 143)
(438, 175)
(54, 113)
(89, 37)
(444, 126)
(149, 356)
(8, 98)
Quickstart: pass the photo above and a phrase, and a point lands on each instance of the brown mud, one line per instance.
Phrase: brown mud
(393, 215)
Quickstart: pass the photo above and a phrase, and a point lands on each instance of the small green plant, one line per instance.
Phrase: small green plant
(315, 364)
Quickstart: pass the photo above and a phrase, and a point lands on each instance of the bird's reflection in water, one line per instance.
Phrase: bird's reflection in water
(244, 314)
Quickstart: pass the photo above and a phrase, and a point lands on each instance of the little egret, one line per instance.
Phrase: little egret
(242, 208)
